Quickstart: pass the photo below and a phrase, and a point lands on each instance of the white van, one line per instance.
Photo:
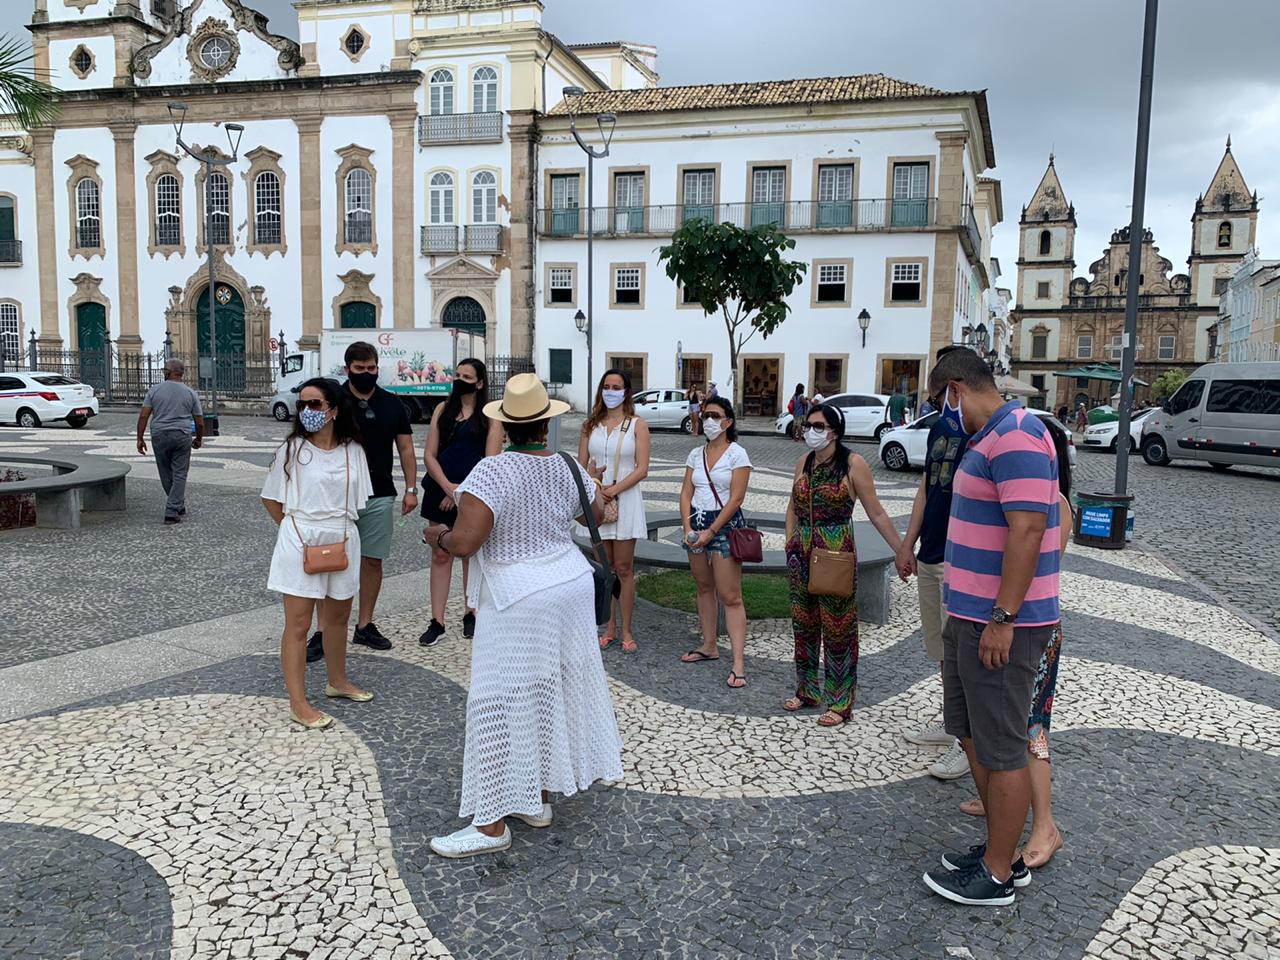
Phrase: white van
(1225, 413)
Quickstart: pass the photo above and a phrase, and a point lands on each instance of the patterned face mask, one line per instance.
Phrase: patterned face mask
(313, 420)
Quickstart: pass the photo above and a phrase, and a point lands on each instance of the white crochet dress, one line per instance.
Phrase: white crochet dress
(539, 715)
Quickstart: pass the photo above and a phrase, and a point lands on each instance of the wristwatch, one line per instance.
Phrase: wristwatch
(413, 490)
(1001, 615)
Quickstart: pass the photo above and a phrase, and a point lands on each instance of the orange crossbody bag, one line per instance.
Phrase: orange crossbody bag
(328, 557)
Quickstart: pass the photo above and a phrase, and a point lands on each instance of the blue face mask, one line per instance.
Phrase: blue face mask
(313, 420)
(953, 417)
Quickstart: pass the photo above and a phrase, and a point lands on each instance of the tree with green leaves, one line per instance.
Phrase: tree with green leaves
(738, 273)
(24, 94)
(1167, 384)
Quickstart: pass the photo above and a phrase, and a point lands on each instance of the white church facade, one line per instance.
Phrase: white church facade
(408, 163)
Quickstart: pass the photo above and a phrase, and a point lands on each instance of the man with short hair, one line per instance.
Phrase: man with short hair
(172, 407)
(898, 408)
(1000, 587)
(384, 425)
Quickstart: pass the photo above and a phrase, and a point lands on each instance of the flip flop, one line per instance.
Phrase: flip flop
(735, 686)
(697, 656)
(1054, 848)
(630, 649)
(606, 642)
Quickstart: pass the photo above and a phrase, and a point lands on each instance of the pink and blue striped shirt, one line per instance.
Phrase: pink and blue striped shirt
(1010, 465)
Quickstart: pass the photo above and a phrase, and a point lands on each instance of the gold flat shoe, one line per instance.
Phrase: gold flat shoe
(330, 691)
(320, 723)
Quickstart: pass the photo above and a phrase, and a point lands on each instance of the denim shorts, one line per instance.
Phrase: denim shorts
(701, 520)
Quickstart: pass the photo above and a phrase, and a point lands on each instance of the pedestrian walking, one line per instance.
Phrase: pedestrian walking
(614, 444)
(1001, 593)
(539, 717)
(454, 445)
(897, 408)
(694, 398)
(1082, 418)
(712, 392)
(384, 426)
(927, 527)
(318, 481)
(172, 408)
(716, 476)
(798, 407)
(822, 560)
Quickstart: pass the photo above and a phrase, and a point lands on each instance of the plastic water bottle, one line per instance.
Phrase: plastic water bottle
(691, 537)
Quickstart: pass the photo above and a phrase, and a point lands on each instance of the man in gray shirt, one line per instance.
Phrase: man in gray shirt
(171, 407)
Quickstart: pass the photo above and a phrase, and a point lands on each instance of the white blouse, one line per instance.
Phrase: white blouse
(313, 489)
(721, 473)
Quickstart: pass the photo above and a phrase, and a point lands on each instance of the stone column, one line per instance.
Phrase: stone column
(524, 136)
(46, 239)
(951, 176)
(309, 222)
(946, 248)
(403, 254)
(128, 338)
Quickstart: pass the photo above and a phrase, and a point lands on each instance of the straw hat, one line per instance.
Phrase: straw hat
(524, 401)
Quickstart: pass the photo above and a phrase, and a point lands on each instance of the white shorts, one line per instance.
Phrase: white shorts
(287, 575)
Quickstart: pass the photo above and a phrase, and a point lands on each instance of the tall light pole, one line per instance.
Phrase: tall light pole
(1128, 357)
(606, 122)
(210, 159)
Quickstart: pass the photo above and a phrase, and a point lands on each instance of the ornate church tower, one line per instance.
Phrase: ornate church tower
(1046, 247)
(1223, 227)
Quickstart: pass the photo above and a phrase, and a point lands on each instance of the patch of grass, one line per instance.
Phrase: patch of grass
(765, 595)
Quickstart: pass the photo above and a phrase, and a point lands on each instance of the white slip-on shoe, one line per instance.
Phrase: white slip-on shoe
(932, 736)
(542, 819)
(470, 842)
(953, 764)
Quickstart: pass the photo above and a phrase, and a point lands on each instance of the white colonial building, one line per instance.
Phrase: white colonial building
(408, 163)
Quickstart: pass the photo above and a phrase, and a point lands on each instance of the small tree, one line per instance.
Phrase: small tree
(1167, 384)
(23, 93)
(737, 273)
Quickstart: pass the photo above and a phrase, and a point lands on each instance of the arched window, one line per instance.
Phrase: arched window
(88, 215)
(441, 86)
(218, 196)
(359, 219)
(484, 90)
(266, 208)
(484, 198)
(442, 198)
(1224, 235)
(168, 211)
(1046, 241)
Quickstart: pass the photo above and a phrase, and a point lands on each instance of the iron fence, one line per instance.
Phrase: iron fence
(453, 238)
(10, 251)
(502, 369)
(460, 128)
(127, 377)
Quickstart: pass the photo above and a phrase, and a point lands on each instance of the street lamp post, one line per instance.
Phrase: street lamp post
(606, 122)
(209, 158)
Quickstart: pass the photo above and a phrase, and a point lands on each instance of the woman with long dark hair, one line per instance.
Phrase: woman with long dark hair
(455, 444)
(694, 398)
(1045, 839)
(318, 481)
(616, 441)
(828, 482)
(716, 476)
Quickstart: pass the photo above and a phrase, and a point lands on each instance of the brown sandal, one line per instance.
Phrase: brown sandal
(1029, 854)
(831, 719)
(792, 704)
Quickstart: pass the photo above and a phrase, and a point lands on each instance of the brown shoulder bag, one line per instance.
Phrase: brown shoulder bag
(832, 573)
(328, 557)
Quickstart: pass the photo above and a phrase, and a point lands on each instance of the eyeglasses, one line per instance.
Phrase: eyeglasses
(368, 410)
(313, 404)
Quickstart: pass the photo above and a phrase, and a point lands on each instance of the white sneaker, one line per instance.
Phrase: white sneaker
(470, 842)
(934, 736)
(953, 764)
(542, 819)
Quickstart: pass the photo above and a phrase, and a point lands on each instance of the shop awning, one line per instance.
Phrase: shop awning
(1013, 387)
(1098, 371)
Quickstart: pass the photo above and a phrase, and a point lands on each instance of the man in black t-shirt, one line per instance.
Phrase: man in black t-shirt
(384, 425)
(930, 514)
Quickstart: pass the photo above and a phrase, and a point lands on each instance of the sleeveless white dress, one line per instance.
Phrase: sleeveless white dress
(539, 716)
(602, 447)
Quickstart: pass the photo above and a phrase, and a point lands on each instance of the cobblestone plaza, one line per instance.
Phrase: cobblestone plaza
(156, 802)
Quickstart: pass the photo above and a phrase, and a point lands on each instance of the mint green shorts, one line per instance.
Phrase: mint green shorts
(376, 523)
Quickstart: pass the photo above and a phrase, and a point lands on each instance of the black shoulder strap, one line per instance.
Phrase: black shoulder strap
(597, 545)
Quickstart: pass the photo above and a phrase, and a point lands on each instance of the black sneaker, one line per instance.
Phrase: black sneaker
(315, 647)
(974, 886)
(433, 634)
(370, 636)
(1020, 877)
(468, 625)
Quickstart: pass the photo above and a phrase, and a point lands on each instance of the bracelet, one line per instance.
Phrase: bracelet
(440, 544)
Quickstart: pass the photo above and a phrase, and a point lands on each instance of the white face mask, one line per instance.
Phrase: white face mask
(613, 398)
(816, 439)
(712, 429)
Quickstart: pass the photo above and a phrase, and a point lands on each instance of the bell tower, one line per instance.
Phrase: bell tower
(1046, 245)
(1223, 227)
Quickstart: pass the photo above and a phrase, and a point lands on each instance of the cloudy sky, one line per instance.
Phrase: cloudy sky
(1059, 76)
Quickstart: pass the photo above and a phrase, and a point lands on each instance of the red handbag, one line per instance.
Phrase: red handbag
(746, 545)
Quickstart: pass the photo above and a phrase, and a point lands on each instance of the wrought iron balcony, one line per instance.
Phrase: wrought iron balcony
(441, 238)
(10, 253)
(483, 238)
(795, 216)
(439, 128)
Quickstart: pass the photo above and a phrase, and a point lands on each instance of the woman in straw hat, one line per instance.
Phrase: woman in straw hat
(539, 718)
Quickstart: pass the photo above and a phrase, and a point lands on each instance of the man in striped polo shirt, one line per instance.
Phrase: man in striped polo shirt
(1000, 589)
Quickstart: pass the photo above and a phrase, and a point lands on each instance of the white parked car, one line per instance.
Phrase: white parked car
(664, 408)
(865, 415)
(285, 402)
(30, 399)
(907, 446)
(1106, 434)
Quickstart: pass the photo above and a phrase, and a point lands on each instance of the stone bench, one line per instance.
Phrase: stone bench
(875, 559)
(78, 483)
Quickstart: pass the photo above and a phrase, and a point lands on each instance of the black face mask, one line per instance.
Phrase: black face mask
(364, 382)
(463, 388)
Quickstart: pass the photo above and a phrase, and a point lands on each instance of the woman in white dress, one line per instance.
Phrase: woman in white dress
(539, 717)
(616, 441)
(318, 481)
